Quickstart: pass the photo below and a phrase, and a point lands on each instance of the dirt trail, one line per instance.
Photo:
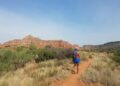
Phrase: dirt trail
(74, 79)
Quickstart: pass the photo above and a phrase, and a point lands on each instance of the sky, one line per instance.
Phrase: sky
(77, 21)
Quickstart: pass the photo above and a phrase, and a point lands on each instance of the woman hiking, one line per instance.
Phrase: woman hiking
(76, 60)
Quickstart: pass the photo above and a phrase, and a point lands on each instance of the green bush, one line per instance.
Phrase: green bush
(52, 53)
(116, 56)
(12, 59)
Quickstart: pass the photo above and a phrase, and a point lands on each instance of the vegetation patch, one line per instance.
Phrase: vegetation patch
(103, 70)
(12, 59)
(41, 74)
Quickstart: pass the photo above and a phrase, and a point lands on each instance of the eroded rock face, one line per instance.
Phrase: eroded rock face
(28, 40)
(15, 42)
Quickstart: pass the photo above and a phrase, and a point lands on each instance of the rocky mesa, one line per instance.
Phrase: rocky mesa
(28, 40)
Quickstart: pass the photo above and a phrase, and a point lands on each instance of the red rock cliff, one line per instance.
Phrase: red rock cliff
(28, 40)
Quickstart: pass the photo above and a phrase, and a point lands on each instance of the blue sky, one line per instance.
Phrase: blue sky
(77, 21)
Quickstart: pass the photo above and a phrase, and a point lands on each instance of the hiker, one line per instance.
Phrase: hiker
(76, 60)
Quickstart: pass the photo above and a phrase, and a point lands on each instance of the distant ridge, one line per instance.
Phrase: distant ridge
(29, 39)
(109, 45)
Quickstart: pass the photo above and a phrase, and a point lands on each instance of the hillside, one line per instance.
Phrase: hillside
(28, 40)
(106, 46)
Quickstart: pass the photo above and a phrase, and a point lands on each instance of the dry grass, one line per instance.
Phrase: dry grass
(37, 74)
(86, 55)
(103, 70)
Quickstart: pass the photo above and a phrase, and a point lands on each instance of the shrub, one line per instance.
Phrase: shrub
(42, 75)
(103, 70)
(12, 59)
(52, 53)
(116, 56)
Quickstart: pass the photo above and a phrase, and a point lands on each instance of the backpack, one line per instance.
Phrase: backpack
(76, 55)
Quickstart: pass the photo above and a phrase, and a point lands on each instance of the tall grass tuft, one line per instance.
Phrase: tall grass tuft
(33, 74)
(103, 70)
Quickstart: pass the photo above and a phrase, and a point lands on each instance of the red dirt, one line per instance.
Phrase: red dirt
(74, 79)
